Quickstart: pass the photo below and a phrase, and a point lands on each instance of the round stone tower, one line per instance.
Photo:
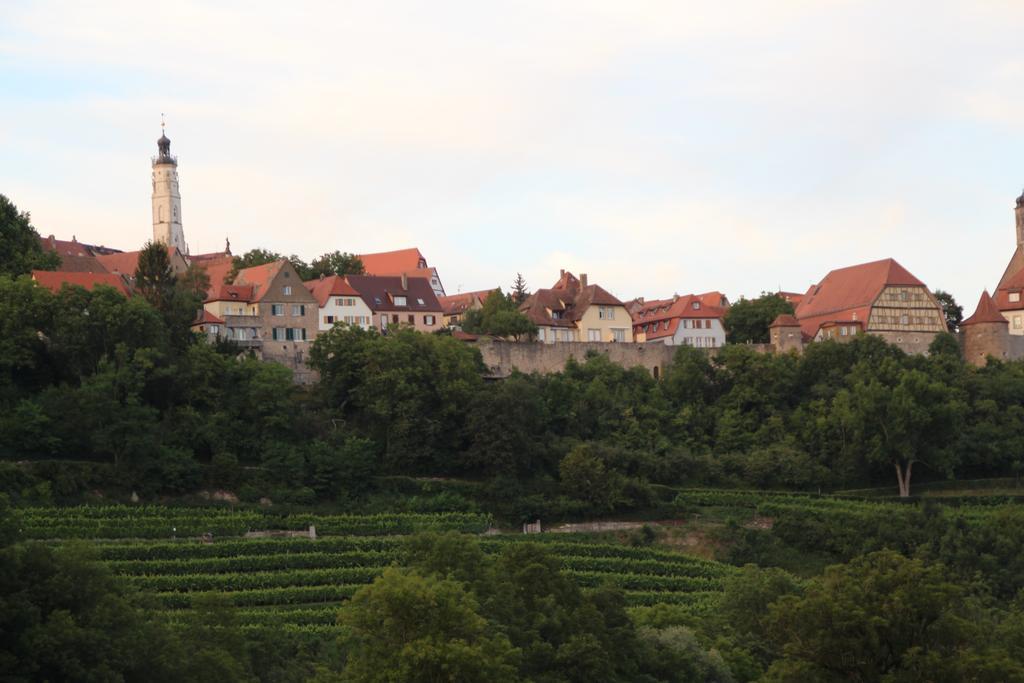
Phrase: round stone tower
(986, 333)
(166, 198)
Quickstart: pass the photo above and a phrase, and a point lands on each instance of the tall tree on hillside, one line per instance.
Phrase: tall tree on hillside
(336, 263)
(747, 320)
(953, 312)
(519, 290)
(899, 417)
(154, 277)
(20, 251)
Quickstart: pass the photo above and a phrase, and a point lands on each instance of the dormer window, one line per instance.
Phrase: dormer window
(556, 315)
(400, 301)
(1014, 297)
(696, 305)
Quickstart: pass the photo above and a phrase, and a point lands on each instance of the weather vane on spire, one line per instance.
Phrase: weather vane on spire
(161, 122)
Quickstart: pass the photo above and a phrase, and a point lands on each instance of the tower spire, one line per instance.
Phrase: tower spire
(166, 198)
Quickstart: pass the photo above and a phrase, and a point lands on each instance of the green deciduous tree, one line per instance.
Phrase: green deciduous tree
(951, 310)
(409, 627)
(20, 251)
(747, 320)
(500, 317)
(883, 618)
(336, 263)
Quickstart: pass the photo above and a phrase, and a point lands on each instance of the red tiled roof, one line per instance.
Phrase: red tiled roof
(658, 312)
(127, 262)
(393, 262)
(986, 312)
(378, 293)
(849, 292)
(205, 318)
(75, 257)
(332, 285)
(714, 299)
(231, 293)
(785, 320)
(217, 270)
(454, 304)
(54, 280)
(260, 277)
(569, 297)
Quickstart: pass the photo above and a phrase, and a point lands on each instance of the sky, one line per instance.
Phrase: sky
(659, 147)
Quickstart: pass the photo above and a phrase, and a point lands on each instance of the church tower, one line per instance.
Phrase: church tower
(166, 198)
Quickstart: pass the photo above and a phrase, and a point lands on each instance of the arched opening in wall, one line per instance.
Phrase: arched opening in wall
(657, 372)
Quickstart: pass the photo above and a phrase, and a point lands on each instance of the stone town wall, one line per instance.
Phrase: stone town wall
(910, 342)
(502, 357)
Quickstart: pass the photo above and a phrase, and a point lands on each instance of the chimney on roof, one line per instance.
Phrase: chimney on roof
(561, 272)
(321, 276)
(405, 282)
(583, 279)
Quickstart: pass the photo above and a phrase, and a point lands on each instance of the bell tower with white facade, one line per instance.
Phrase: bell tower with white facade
(166, 198)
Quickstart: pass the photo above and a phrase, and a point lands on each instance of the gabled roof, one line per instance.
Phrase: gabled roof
(75, 257)
(569, 297)
(216, 269)
(324, 288)
(127, 262)
(393, 262)
(664, 314)
(232, 293)
(986, 312)
(454, 304)
(260, 277)
(207, 318)
(379, 292)
(54, 280)
(848, 292)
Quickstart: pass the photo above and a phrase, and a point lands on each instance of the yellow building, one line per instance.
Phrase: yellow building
(574, 310)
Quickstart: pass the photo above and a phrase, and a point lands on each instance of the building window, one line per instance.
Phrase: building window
(277, 309)
(594, 335)
(1014, 297)
(420, 302)
(214, 328)
(429, 320)
(618, 335)
(605, 313)
(903, 296)
(287, 290)
(394, 318)
(540, 334)
(298, 309)
(904, 319)
(412, 319)
(556, 315)
(696, 305)
(843, 331)
(400, 301)
(1016, 322)
(278, 333)
(329, 319)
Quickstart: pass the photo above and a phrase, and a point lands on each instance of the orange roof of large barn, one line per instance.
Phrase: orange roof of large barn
(393, 262)
(54, 280)
(986, 312)
(848, 292)
(332, 285)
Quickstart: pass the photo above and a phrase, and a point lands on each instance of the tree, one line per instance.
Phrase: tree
(883, 617)
(747, 320)
(336, 263)
(408, 627)
(899, 417)
(20, 251)
(951, 310)
(253, 257)
(500, 317)
(154, 277)
(519, 291)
